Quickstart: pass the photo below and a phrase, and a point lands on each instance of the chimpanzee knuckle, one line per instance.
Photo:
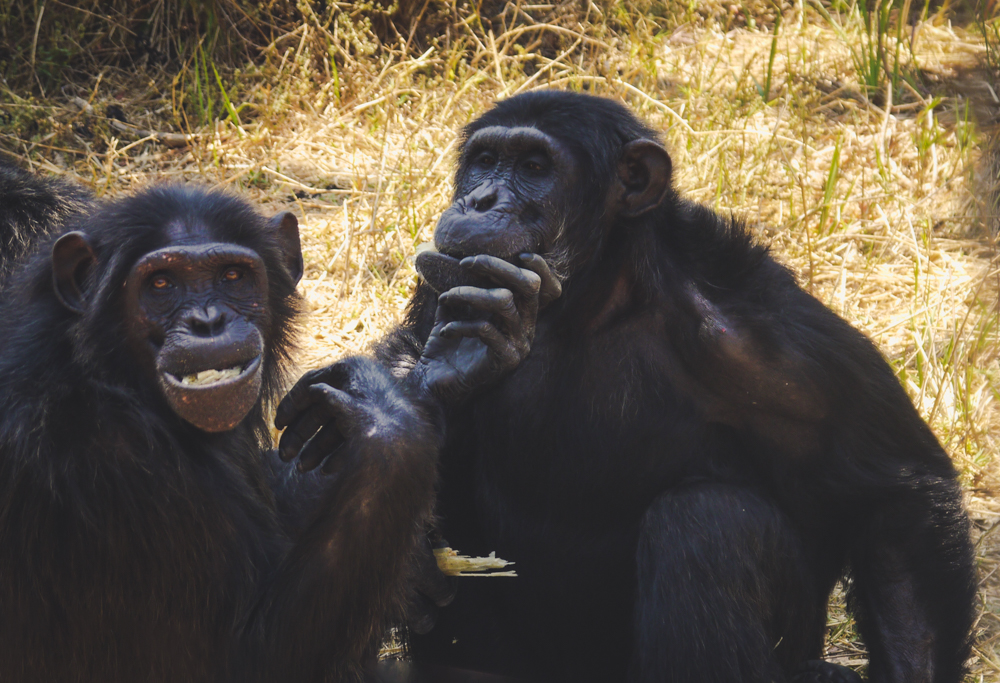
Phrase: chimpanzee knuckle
(504, 299)
(532, 281)
(312, 377)
(495, 268)
(335, 401)
(293, 404)
(511, 314)
(457, 295)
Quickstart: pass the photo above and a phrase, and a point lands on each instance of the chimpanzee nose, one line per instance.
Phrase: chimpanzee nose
(209, 321)
(483, 198)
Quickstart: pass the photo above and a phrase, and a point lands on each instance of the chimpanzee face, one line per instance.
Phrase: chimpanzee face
(511, 189)
(195, 314)
(198, 310)
(515, 191)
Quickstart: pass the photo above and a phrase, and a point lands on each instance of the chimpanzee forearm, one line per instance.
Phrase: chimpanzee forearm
(297, 495)
(759, 365)
(914, 584)
(344, 579)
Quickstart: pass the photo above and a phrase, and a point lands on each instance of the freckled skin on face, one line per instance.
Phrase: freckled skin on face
(510, 200)
(196, 308)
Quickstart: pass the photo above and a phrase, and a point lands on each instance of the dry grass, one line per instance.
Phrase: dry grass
(878, 197)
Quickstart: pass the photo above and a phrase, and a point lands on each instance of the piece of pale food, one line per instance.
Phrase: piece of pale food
(211, 376)
(453, 564)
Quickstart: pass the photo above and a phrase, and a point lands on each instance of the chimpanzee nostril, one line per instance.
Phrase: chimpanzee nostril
(207, 322)
(485, 203)
(483, 198)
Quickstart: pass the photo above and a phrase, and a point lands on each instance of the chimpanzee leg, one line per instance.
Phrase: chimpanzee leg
(725, 592)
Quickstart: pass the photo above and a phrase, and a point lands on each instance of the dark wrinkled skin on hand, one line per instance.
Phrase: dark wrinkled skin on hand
(432, 589)
(480, 334)
(354, 398)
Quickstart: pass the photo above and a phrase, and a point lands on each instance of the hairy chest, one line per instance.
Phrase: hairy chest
(585, 421)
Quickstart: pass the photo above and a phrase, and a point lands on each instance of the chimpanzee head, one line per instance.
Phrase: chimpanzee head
(547, 172)
(198, 286)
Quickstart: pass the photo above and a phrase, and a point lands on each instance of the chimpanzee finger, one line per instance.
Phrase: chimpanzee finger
(496, 302)
(523, 283)
(551, 288)
(326, 441)
(324, 403)
(421, 614)
(302, 427)
(430, 581)
(339, 405)
(298, 399)
(487, 333)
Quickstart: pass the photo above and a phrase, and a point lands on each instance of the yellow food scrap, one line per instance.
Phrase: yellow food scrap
(210, 376)
(453, 564)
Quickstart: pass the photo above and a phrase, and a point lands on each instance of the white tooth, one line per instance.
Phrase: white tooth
(210, 376)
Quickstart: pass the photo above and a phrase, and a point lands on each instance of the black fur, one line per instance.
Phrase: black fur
(135, 547)
(32, 207)
(692, 455)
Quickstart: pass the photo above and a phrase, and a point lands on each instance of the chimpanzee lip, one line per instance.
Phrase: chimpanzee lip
(216, 406)
(187, 381)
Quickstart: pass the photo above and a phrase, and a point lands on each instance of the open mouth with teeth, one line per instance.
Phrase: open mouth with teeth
(208, 377)
(213, 399)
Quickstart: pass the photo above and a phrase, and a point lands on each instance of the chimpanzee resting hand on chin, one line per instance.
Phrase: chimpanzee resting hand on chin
(694, 451)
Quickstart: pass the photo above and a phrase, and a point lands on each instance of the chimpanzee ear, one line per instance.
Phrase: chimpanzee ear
(72, 255)
(286, 227)
(644, 171)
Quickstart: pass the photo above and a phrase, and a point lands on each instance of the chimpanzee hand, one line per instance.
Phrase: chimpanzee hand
(330, 407)
(481, 334)
(431, 587)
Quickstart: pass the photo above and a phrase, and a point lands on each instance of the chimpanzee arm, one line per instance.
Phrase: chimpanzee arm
(765, 357)
(378, 435)
(296, 494)
(343, 580)
(913, 584)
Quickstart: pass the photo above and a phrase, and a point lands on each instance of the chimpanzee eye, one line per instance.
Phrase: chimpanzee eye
(536, 164)
(232, 275)
(161, 283)
(485, 160)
